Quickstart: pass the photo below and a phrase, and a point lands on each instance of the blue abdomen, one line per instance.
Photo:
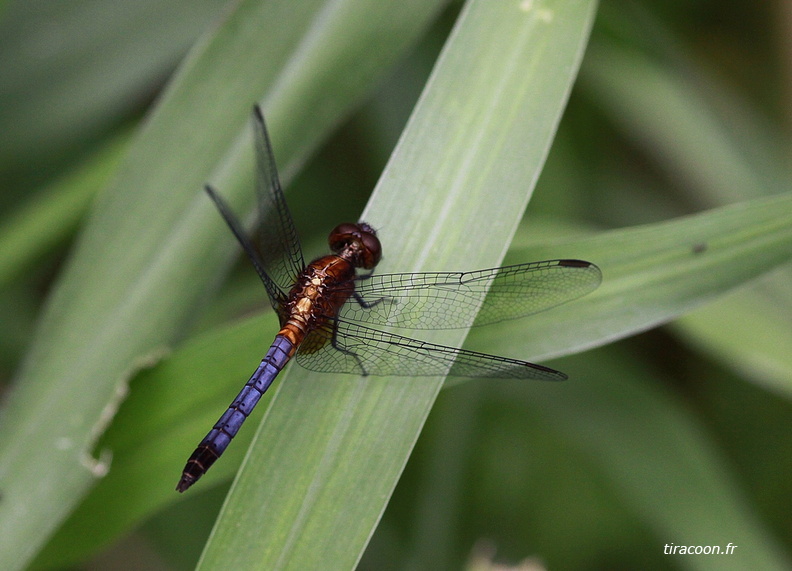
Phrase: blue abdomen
(218, 439)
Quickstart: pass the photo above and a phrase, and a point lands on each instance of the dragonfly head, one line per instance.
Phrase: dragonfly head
(357, 243)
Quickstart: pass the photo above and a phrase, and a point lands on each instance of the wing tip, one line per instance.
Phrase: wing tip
(548, 373)
(593, 269)
(572, 263)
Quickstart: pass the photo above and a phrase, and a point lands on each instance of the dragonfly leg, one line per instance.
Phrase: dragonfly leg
(337, 347)
(361, 300)
(369, 304)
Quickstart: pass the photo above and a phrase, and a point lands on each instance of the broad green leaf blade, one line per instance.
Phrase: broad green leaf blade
(655, 273)
(38, 225)
(330, 450)
(154, 432)
(704, 133)
(71, 69)
(153, 246)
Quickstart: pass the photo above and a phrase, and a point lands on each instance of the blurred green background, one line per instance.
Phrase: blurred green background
(679, 107)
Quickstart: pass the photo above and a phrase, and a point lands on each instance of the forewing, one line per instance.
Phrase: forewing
(277, 296)
(279, 244)
(451, 300)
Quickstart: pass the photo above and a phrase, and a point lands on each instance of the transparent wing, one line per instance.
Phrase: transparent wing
(360, 350)
(279, 244)
(277, 296)
(444, 300)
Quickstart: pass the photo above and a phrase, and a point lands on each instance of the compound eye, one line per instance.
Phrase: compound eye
(342, 235)
(372, 250)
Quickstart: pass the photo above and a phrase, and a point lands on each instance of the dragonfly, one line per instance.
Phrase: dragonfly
(326, 307)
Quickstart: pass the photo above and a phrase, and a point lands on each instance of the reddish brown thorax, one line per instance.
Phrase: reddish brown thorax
(327, 282)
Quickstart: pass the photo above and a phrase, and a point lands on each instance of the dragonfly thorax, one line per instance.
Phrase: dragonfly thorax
(356, 243)
(320, 291)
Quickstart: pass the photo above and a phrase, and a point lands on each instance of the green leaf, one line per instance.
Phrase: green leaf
(705, 134)
(153, 245)
(655, 273)
(330, 450)
(169, 406)
(51, 215)
(71, 69)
